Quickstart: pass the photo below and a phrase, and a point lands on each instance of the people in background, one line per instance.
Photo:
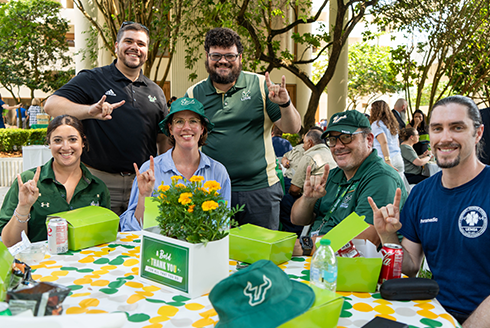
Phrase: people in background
(188, 127)
(400, 112)
(21, 123)
(171, 100)
(62, 184)
(281, 145)
(5, 107)
(446, 216)
(413, 162)
(419, 123)
(385, 130)
(33, 110)
(243, 106)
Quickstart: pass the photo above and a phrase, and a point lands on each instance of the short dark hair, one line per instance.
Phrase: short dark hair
(202, 138)
(66, 120)
(222, 37)
(473, 113)
(132, 27)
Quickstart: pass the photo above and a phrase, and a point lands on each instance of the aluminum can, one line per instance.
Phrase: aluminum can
(4, 309)
(57, 236)
(392, 262)
(348, 250)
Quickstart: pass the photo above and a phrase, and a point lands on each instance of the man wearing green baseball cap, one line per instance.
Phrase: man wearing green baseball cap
(360, 173)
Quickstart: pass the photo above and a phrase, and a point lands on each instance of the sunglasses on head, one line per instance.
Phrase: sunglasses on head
(126, 23)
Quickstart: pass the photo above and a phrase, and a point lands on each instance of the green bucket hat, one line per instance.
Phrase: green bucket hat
(261, 295)
(346, 122)
(185, 104)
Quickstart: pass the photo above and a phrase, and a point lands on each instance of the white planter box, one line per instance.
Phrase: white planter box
(189, 269)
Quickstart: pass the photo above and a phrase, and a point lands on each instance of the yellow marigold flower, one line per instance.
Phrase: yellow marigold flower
(191, 208)
(162, 197)
(196, 178)
(212, 185)
(180, 185)
(185, 198)
(209, 205)
(163, 188)
(176, 178)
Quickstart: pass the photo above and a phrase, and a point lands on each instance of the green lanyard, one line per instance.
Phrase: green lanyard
(351, 187)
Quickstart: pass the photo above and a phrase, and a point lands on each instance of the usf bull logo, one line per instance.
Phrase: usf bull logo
(257, 294)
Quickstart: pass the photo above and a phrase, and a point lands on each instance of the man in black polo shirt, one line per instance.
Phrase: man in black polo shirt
(120, 109)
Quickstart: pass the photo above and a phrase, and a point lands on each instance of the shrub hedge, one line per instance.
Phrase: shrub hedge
(14, 139)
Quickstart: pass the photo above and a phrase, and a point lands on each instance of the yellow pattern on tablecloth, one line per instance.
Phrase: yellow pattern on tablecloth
(60, 273)
(135, 298)
(100, 283)
(144, 293)
(100, 272)
(382, 302)
(82, 281)
(194, 306)
(49, 278)
(134, 284)
(428, 314)
(158, 319)
(130, 262)
(204, 322)
(362, 295)
(208, 313)
(362, 307)
(151, 288)
(88, 259)
(386, 316)
(167, 310)
(384, 309)
(80, 294)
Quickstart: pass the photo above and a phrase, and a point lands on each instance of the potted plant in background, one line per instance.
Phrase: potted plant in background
(189, 249)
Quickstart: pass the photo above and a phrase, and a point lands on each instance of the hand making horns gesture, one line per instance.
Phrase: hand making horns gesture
(278, 93)
(102, 110)
(387, 219)
(28, 191)
(314, 186)
(146, 180)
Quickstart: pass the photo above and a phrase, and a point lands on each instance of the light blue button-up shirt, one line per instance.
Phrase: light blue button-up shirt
(164, 170)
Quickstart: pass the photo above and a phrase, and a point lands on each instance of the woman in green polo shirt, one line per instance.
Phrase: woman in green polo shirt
(62, 184)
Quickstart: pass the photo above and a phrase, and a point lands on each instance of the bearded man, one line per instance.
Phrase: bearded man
(120, 109)
(244, 106)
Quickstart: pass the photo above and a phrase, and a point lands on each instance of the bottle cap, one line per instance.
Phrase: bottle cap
(325, 242)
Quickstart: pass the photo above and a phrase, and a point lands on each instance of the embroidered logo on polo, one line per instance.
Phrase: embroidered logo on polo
(185, 102)
(152, 99)
(473, 222)
(110, 92)
(246, 95)
(44, 204)
(257, 294)
(346, 201)
(337, 119)
(94, 203)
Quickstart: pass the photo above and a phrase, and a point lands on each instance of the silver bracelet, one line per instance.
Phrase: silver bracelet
(17, 215)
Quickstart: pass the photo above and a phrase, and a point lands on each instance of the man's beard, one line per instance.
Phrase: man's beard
(448, 165)
(403, 115)
(230, 78)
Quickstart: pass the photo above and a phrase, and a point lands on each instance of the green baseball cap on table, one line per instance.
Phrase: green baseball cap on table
(182, 104)
(346, 122)
(261, 295)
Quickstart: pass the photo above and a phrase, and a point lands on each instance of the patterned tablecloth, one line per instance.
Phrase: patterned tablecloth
(103, 279)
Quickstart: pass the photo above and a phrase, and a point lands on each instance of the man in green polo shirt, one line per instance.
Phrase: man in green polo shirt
(243, 106)
(328, 199)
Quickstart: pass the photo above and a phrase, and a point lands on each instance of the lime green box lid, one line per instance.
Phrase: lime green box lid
(250, 243)
(6, 260)
(324, 313)
(89, 226)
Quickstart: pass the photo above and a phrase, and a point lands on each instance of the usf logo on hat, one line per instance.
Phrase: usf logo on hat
(261, 295)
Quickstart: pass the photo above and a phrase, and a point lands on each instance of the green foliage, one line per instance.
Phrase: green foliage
(193, 212)
(14, 139)
(34, 44)
(293, 138)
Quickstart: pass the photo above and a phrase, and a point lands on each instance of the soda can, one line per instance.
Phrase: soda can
(348, 250)
(57, 236)
(4, 309)
(392, 262)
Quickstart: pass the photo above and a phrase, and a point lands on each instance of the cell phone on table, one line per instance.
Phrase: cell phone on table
(379, 322)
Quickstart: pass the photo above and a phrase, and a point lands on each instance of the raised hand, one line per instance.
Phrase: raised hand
(387, 219)
(146, 180)
(277, 92)
(102, 110)
(28, 192)
(314, 186)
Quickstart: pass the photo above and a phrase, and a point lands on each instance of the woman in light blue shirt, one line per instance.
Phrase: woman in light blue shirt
(385, 129)
(187, 127)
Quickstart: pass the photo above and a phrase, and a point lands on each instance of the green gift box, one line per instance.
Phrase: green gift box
(6, 260)
(89, 226)
(324, 313)
(250, 243)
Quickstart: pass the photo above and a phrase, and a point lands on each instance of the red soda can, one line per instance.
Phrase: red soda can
(392, 262)
(57, 236)
(348, 250)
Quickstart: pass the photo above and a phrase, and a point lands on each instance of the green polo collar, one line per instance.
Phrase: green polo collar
(48, 173)
(240, 84)
(339, 176)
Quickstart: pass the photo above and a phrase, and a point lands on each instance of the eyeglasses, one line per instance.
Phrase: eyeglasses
(126, 23)
(228, 57)
(180, 122)
(344, 138)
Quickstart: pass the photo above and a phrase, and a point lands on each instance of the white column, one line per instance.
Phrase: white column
(303, 93)
(337, 87)
(81, 24)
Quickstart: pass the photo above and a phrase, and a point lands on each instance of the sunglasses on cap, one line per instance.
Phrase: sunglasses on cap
(126, 23)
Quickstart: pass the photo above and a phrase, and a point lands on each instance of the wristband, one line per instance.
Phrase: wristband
(286, 104)
(17, 216)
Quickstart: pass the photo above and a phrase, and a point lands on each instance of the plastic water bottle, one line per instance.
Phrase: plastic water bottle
(323, 269)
